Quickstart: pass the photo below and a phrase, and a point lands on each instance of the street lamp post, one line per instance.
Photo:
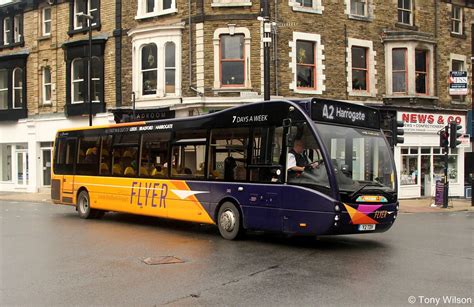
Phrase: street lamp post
(89, 62)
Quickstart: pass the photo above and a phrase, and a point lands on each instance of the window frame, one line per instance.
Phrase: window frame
(455, 20)
(143, 71)
(366, 8)
(157, 9)
(315, 8)
(398, 71)
(367, 70)
(74, 82)
(314, 66)
(221, 60)
(5, 71)
(78, 27)
(14, 89)
(170, 68)
(17, 31)
(7, 29)
(405, 10)
(45, 85)
(45, 21)
(426, 72)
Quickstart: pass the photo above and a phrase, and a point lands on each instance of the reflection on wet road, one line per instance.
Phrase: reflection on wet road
(51, 257)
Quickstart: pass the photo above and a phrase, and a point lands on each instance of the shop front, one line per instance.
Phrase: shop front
(420, 160)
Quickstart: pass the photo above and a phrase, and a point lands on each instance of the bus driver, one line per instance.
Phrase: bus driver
(297, 161)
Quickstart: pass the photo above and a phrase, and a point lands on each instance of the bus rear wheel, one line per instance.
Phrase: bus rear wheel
(229, 221)
(83, 206)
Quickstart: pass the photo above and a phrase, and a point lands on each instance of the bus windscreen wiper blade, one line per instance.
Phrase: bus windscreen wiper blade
(375, 184)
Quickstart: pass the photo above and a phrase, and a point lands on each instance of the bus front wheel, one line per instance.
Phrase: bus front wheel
(229, 221)
(83, 206)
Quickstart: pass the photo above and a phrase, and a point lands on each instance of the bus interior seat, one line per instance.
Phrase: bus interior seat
(117, 169)
(229, 166)
(104, 168)
(129, 171)
(240, 173)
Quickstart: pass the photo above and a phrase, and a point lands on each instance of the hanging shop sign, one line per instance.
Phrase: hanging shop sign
(429, 122)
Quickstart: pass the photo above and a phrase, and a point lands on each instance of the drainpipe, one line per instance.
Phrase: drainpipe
(190, 23)
(275, 47)
(436, 56)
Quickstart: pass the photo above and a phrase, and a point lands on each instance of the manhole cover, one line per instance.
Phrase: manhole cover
(162, 260)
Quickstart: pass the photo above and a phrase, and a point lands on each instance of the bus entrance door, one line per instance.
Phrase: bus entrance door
(67, 187)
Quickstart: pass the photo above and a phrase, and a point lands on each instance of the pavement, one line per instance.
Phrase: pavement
(406, 205)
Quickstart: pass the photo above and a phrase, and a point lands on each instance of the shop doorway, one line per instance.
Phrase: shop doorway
(425, 175)
(22, 172)
(46, 166)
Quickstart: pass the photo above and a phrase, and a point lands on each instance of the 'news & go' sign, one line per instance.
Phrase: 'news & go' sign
(429, 122)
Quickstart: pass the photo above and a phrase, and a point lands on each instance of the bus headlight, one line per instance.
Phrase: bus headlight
(337, 209)
(336, 217)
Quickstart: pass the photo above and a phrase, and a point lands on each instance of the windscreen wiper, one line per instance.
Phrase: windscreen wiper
(375, 184)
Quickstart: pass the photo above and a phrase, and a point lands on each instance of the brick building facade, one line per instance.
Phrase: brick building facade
(181, 58)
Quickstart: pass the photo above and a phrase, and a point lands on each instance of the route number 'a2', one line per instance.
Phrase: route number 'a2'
(328, 112)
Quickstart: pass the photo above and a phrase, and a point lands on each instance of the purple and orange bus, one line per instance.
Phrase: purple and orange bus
(229, 168)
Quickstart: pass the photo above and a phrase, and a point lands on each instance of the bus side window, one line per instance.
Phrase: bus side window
(188, 161)
(105, 155)
(266, 154)
(65, 152)
(154, 155)
(87, 158)
(188, 154)
(125, 154)
(228, 154)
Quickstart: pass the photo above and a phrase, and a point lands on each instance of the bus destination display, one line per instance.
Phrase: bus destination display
(344, 113)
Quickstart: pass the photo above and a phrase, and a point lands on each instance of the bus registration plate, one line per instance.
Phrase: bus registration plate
(366, 227)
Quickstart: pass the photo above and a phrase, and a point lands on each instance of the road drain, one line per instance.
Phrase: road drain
(162, 260)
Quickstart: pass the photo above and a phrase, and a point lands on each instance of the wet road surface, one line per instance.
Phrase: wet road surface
(51, 257)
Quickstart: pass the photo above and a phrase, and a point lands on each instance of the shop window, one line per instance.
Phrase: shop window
(228, 154)
(6, 162)
(154, 155)
(409, 167)
(438, 167)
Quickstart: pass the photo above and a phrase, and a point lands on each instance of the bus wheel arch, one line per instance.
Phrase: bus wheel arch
(229, 219)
